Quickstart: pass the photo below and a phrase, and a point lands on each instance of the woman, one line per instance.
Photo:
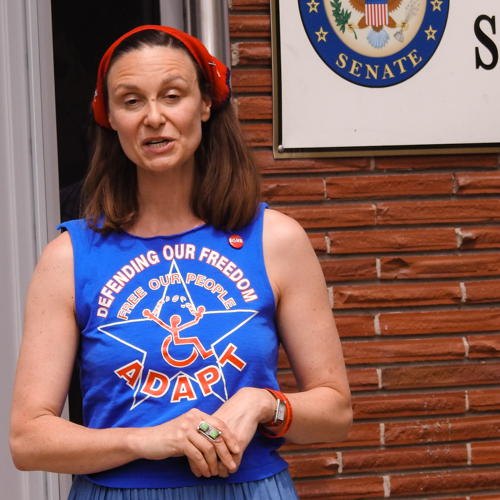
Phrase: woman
(173, 292)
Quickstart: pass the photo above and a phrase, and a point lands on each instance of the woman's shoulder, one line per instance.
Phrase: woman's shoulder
(282, 230)
(286, 244)
(54, 270)
(59, 250)
(288, 254)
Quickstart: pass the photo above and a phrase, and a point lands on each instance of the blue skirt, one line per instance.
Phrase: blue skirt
(278, 487)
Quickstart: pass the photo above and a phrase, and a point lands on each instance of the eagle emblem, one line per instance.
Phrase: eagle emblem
(377, 14)
(375, 43)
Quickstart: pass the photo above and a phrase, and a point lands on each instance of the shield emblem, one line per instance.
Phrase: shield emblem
(376, 12)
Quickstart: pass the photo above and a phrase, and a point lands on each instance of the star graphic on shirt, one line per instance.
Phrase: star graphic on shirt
(184, 337)
(430, 33)
(127, 334)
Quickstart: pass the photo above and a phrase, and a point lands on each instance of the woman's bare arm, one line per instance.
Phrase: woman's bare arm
(322, 409)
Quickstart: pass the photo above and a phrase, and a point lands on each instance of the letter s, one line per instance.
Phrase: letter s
(486, 41)
(342, 61)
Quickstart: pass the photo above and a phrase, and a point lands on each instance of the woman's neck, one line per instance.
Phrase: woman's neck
(164, 205)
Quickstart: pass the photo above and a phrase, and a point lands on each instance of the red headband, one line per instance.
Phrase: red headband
(215, 71)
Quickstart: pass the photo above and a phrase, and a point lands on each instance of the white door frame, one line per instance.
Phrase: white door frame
(29, 203)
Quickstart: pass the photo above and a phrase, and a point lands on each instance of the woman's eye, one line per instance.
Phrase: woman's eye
(131, 102)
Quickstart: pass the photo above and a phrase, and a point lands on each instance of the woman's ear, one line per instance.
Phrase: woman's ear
(110, 120)
(206, 108)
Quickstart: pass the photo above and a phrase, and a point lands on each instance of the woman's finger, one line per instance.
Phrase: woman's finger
(222, 440)
(203, 457)
(223, 472)
(225, 455)
(214, 430)
(194, 468)
(207, 450)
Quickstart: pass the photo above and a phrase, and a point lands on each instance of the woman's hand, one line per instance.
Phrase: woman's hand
(242, 413)
(180, 437)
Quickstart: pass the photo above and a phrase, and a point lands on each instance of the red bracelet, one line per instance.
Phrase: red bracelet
(289, 416)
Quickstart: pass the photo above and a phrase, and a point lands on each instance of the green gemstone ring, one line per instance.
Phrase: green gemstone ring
(209, 431)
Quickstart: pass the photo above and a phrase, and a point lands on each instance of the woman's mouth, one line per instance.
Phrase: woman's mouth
(157, 143)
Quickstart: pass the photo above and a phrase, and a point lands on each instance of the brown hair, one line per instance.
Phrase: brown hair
(226, 189)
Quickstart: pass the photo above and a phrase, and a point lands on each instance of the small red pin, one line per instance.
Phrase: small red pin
(236, 241)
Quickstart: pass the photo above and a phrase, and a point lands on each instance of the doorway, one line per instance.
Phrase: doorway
(81, 33)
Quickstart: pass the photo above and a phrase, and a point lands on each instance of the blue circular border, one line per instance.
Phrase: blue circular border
(330, 50)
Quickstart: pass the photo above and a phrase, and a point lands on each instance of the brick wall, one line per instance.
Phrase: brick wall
(409, 248)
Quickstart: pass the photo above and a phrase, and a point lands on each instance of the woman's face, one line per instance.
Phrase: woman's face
(156, 107)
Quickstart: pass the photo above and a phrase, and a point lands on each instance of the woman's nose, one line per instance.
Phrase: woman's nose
(154, 114)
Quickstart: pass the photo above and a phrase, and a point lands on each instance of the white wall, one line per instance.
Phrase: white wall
(29, 203)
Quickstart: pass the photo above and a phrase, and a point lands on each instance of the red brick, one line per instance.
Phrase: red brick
(484, 346)
(396, 295)
(249, 26)
(432, 322)
(362, 325)
(486, 453)
(363, 379)
(331, 216)
(251, 80)
(362, 435)
(293, 189)
(258, 134)
(287, 382)
(406, 377)
(341, 489)
(282, 358)
(438, 212)
(439, 431)
(250, 53)
(249, 4)
(317, 464)
(484, 400)
(398, 351)
(483, 497)
(408, 405)
(478, 183)
(404, 458)
(454, 498)
(437, 161)
(389, 186)
(482, 291)
(269, 165)
(318, 242)
(471, 238)
(255, 108)
(408, 240)
(349, 269)
(439, 266)
(342, 164)
(445, 482)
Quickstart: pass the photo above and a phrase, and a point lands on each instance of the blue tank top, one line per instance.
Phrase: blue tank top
(171, 323)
